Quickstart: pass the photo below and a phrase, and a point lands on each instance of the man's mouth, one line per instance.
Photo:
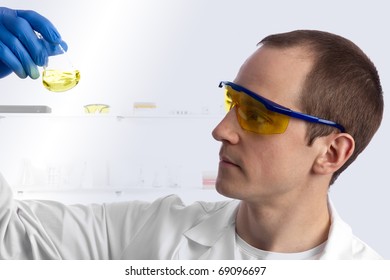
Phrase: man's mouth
(227, 161)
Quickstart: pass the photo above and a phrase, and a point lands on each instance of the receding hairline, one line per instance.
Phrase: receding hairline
(307, 46)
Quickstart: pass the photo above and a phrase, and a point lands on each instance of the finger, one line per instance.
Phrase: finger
(54, 49)
(19, 53)
(22, 30)
(4, 70)
(9, 60)
(50, 37)
(42, 25)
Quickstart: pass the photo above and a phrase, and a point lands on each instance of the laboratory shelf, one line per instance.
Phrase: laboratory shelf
(110, 195)
(119, 118)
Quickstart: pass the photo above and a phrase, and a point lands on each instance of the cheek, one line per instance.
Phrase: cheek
(278, 164)
(264, 164)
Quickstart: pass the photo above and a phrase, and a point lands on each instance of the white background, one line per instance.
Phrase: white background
(174, 53)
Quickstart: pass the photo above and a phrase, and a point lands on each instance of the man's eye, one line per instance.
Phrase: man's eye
(258, 116)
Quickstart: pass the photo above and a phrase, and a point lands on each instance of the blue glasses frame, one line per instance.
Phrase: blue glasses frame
(274, 107)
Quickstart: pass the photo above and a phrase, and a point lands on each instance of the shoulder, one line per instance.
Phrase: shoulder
(175, 205)
(342, 242)
(168, 208)
(362, 251)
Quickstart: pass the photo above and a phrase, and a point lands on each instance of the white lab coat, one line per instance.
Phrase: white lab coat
(164, 229)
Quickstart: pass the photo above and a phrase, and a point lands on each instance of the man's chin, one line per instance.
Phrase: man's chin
(223, 189)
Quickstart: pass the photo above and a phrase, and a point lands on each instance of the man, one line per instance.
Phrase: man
(283, 178)
(276, 163)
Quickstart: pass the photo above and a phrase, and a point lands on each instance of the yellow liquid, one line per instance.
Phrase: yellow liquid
(57, 81)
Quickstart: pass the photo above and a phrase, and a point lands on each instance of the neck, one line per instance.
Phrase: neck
(295, 225)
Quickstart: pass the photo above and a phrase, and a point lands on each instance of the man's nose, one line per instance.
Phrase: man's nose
(227, 129)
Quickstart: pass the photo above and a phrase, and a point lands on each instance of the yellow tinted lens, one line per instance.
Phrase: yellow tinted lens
(260, 120)
(253, 116)
(228, 99)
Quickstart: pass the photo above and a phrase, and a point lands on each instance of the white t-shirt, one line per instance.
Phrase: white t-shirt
(245, 251)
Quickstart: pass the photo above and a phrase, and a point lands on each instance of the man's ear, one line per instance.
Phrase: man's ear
(335, 151)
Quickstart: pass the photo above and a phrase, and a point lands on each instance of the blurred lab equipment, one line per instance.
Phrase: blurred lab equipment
(96, 108)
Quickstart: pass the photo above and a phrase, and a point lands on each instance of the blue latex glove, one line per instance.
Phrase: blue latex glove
(21, 51)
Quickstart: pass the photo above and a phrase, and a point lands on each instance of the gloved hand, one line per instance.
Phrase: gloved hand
(21, 51)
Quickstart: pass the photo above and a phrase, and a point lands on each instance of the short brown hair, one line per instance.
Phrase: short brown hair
(343, 86)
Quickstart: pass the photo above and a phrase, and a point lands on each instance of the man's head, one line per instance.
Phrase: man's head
(295, 70)
(343, 86)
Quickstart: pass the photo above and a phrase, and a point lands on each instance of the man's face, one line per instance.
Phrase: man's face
(256, 167)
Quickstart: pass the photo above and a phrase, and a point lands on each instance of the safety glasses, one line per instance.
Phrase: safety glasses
(260, 115)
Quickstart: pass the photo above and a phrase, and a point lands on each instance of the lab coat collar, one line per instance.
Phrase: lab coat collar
(339, 244)
(210, 230)
(215, 236)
